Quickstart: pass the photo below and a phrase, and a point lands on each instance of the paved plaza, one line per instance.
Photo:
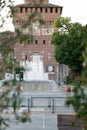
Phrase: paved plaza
(43, 116)
(39, 121)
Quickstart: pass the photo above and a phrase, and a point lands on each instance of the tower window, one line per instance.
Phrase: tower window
(25, 57)
(36, 41)
(26, 10)
(44, 41)
(21, 10)
(51, 10)
(46, 10)
(28, 41)
(56, 10)
(41, 10)
(31, 10)
(35, 9)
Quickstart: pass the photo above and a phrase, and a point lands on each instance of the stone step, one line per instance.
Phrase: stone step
(39, 86)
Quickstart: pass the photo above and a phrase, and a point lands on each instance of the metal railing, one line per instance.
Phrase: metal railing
(44, 102)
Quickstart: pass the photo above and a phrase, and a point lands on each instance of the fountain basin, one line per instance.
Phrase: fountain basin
(39, 85)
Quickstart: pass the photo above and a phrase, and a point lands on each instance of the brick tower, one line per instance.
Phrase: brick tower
(41, 46)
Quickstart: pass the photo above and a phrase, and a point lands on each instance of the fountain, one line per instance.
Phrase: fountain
(34, 76)
(35, 79)
(34, 71)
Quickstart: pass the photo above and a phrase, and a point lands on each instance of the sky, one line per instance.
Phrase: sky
(75, 9)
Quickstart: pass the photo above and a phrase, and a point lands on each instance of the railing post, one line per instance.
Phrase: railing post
(53, 106)
(28, 105)
(31, 102)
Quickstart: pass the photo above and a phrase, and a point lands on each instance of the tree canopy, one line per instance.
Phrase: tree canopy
(69, 43)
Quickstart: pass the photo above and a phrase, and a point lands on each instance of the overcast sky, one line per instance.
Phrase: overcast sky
(76, 9)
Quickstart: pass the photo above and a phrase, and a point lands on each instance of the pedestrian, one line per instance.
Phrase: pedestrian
(68, 89)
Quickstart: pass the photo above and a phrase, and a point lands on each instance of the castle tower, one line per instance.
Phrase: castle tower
(41, 46)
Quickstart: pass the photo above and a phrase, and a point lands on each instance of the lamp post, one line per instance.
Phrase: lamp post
(14, 85)
(59, 74)
(18, 90)
(17, 87)
(14, 75)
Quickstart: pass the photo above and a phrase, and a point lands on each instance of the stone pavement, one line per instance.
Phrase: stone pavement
(43, 118)
(39, 121)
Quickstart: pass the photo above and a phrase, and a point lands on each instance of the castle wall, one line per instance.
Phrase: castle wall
(42, 34)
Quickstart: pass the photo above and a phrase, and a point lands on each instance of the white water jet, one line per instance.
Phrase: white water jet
(34, 70)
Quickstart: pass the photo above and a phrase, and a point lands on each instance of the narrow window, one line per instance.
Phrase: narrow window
(35, 9)
(31, 10)
(51, 10)
(46, 10)
(28, 41)
(21, 10)
(44, 42)
(41, 10)
(25, 57)
(26, 9)
(56, 9)
(36, 41)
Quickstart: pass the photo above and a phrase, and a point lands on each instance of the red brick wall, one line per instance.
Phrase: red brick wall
(45, 50)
